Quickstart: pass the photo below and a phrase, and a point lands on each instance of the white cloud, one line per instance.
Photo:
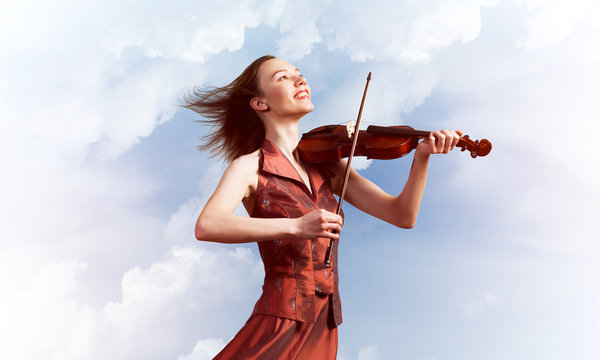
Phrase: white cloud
(96, 95)
(45, 309)
(394, 91)
(107, 73)
(157, 303)
(204, 350)
(474, 309)
(96, 215)
(552, 21)
(204, 28)
(404, 31)
(370, 352)
(547, 194)
(180, 225)
(387, 30)
(87, 82)
(194, 275)
(297, 23)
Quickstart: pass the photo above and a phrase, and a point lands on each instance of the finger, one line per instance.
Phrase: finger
(440, 140)
(330, 217)
(432, 141)
(331, 226)
(448, 138)
(336, 227)
(455, 140)
(452, 138)
(339, 220)
(330, 234)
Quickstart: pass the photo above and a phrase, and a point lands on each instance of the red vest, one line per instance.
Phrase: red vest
(294, 268)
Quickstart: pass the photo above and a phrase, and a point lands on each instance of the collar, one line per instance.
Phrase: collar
(274, 162)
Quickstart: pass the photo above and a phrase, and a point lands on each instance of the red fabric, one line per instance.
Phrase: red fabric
(294, 268)
(271, 337)
(298, 313)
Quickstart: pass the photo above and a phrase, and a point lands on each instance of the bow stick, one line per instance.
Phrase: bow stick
(347, 173)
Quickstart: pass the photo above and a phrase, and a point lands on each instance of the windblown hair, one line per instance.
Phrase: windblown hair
(237, 128)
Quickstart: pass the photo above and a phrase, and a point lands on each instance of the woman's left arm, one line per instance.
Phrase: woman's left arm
(401, 210)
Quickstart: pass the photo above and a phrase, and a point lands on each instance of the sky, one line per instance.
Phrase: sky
(101, 182)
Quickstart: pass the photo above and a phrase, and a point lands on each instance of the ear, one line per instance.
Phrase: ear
(258, 104)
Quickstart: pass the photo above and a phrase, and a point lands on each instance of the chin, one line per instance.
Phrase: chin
(307, 111)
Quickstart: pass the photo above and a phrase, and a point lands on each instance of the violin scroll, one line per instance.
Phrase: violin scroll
(476, 148)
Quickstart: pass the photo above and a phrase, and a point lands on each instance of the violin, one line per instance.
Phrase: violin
(333, 142)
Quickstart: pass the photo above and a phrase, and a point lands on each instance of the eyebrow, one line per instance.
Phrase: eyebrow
(280, 70)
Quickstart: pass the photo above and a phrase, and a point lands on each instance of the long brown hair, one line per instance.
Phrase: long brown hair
(237, 128)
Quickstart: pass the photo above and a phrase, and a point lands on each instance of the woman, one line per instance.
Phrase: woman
(291, 208)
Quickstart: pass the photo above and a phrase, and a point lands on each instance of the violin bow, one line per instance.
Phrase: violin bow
(348, 166)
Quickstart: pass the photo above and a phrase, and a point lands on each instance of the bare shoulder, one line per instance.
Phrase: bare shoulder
(238, 183)
(245, 164)
(245, 168)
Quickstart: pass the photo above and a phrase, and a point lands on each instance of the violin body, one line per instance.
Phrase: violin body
(331, 143)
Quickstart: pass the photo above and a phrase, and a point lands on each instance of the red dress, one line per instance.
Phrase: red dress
(299, 310)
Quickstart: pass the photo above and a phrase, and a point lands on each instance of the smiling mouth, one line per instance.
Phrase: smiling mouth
(302, 95)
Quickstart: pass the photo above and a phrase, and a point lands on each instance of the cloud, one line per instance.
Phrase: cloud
(370, 352)
(94, 94)
(115, 79)
(394, 91)
(193, 274)
(73, 307)
(545, 193)
(93, 265)
(45, 310)
(84, 84)
(173, 297)
(474, 309)
(552, 21)
(111, 82)
(387, 31)
(298, 26)
(104, 73)
(402, 31)
(204, 350)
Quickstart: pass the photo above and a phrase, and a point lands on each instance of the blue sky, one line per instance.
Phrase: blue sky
(102, 183)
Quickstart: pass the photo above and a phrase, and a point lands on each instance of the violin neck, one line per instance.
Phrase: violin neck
(385, 130)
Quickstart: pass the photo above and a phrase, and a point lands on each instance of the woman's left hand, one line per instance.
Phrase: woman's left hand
(439, 142)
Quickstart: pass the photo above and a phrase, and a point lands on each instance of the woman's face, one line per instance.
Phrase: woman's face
(285, 90)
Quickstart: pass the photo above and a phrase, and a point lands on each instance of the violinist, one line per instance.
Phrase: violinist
(291, 207)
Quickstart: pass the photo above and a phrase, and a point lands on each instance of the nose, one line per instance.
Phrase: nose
(300, 80)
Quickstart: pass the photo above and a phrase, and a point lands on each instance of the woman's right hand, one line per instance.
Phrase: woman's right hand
(319, 223)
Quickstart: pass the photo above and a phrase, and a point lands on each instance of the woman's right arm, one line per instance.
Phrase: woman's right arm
(218, 223)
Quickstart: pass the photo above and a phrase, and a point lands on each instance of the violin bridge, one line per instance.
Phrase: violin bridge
(350, 128)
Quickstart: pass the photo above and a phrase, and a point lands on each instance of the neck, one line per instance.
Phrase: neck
(282, 131)
(284, 136)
